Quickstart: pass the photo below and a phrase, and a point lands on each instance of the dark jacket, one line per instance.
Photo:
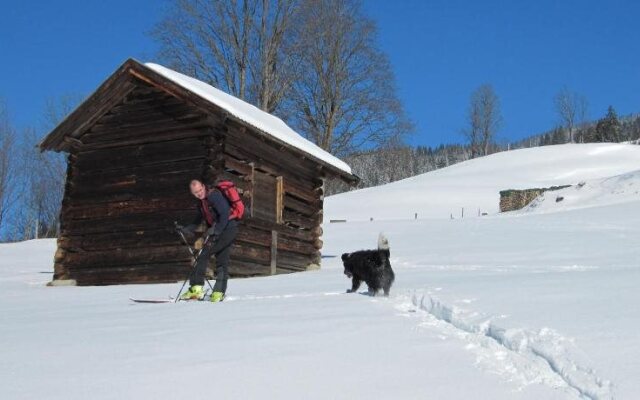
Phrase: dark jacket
(215, 214)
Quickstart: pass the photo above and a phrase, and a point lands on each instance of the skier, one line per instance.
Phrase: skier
(214, 209)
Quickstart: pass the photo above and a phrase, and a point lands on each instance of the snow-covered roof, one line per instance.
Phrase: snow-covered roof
(70, 131)
(250, 114)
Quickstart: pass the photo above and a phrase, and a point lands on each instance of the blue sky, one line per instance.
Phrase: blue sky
(440, 52)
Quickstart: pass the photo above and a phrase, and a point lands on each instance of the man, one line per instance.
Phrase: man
(213, 208)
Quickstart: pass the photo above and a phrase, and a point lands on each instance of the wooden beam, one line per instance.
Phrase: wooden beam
(132, 139)
(279, 200)
(274, 251)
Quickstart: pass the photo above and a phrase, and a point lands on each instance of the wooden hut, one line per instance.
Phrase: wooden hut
(134, 146)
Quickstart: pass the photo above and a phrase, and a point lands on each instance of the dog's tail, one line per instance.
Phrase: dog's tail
(383, 244)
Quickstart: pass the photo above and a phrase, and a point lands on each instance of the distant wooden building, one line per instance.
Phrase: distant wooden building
(133, 147)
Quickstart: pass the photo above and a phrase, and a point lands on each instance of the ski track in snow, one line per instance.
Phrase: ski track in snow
(519, 355)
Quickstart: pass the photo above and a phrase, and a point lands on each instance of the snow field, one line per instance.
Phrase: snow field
(537, 304)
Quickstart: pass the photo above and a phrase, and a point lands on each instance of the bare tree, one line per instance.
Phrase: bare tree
(49, 181)
(8, 168)
(317, 56)
(472, 132)
(42, 177)
(344, 95)
(235, 45)
(572, 110)
(484, 119)
(272, 76)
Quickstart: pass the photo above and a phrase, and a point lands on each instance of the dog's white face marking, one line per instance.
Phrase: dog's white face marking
(383, 243)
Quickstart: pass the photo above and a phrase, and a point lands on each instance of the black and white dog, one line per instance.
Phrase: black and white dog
(371, 266)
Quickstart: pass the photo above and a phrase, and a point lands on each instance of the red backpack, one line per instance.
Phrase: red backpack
(230, 192)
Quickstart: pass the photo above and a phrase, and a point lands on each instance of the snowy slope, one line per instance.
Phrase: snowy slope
(590, 193)
(475, 184)
(529, 305)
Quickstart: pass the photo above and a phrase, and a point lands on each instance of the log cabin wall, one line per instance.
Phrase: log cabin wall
(125, 187)
(284, 194)
(127, 182)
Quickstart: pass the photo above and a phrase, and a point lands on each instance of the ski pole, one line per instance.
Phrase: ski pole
(191, 250)
(195, 257)
(193, 268)
(185, 240)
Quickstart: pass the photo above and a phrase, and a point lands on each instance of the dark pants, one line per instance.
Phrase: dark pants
(221, 249)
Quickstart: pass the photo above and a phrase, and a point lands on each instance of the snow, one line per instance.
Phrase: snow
(536, 304)
(476, 184)
(589, 193)
(250, 114)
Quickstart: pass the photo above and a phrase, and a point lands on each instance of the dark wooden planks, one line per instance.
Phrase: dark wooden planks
(146, 238)
(139, 155)
(119, 257)
(135, 273)
(128, 177)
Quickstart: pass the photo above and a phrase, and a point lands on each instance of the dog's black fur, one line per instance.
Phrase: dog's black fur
(372, 267)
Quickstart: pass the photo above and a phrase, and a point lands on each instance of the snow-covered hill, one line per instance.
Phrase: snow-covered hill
(526, 305)
(589, 193)
(475, 184)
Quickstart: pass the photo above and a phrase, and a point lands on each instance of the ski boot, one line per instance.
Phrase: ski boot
(195, 292)
(217, 297)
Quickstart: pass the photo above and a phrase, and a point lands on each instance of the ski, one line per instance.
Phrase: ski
(152, 301)
(168, 300)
